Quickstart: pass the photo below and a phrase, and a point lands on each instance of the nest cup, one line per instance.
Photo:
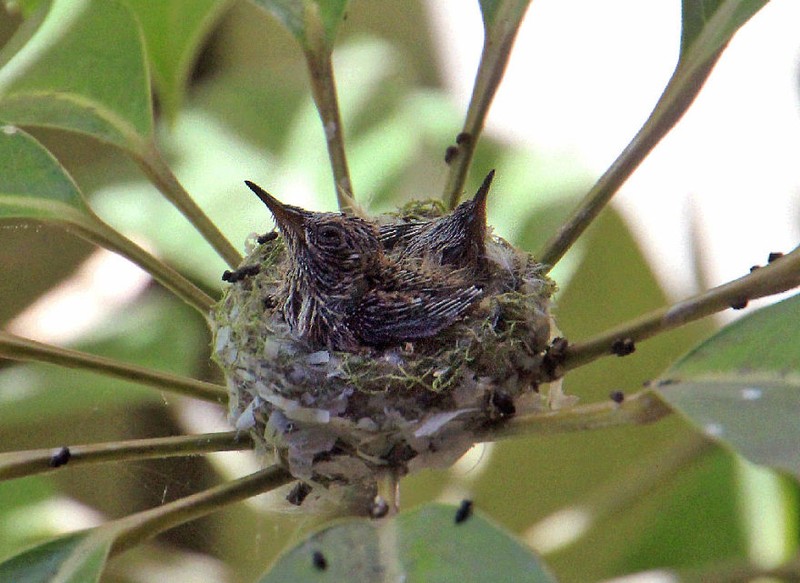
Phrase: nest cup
(338, 420)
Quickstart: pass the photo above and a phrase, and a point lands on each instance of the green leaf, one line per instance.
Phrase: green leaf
(742, 386)
(425, 544)
(706, 28)
(24, 7)
(312, 22)
(79, 65)
(74, 558)
(707, 25)
(33, 184)
(158, 333)
(174, 31)
(20, 501)
(502, 12)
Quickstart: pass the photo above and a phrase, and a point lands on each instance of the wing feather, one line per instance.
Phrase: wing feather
(390, 317)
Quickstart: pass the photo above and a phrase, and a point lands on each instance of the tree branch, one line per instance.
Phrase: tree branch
(499, 35)
(137, 528)
(323, 88)
(680, 92)
(101, 234)
(637, 409)
(779, 276)
(26, 463)
(18, 348)
(159, 173)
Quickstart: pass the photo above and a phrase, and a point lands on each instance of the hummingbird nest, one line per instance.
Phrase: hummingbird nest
(337, 415)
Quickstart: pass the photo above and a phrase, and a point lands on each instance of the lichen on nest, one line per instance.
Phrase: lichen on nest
(338, 418)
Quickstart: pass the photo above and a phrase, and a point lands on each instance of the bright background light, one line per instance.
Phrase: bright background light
(584, 76)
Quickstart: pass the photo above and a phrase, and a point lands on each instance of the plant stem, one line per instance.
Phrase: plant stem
(779, 276)
(389, 490)
(25, 463)
(499, 35)
(323, 88)
(18, 348)
(680, 92)
(637, 409)
(159, 173)
(98, 232)
(137, 528)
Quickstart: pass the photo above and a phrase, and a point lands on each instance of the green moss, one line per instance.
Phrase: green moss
(363, 407)
(420, 210)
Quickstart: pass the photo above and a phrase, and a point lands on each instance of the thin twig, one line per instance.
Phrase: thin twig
(779, 276)
(137, 528)
(637, 409)
(19, 348)
(98, 232)
(159, 173)
(389, 490)
(323, 88)
(679, 94)
(26, 463)
(497, 45)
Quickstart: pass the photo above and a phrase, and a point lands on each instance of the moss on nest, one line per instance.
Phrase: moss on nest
(337, 418)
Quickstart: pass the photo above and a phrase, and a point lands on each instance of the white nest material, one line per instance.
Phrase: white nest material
(338, 419)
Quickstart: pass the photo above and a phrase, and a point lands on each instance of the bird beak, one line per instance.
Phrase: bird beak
(478, 222)
(287, 217)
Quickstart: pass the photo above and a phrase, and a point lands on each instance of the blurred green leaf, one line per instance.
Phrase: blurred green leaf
(214, 174)
(174, 31)
(689, 520)
(160, 334)
(502, 12)
(706, 28)
(309, 21)
(742, 386)
(424, 544)
(707, 25)
(79, 65)
(21, 504)
(612, 283)
(24, 193)
(33, 184)
(74, 558)
(24, 7)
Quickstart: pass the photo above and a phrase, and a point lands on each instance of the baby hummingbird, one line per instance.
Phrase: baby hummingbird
(457, 240)
(342, 292)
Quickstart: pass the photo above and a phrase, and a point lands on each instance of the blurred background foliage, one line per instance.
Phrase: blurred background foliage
(247, 114)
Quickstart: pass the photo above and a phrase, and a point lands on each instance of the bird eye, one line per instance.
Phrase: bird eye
(330, 236)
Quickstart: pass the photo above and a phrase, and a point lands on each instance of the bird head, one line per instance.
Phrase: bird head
(473, 212)
(466, 229)
(325, 244)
